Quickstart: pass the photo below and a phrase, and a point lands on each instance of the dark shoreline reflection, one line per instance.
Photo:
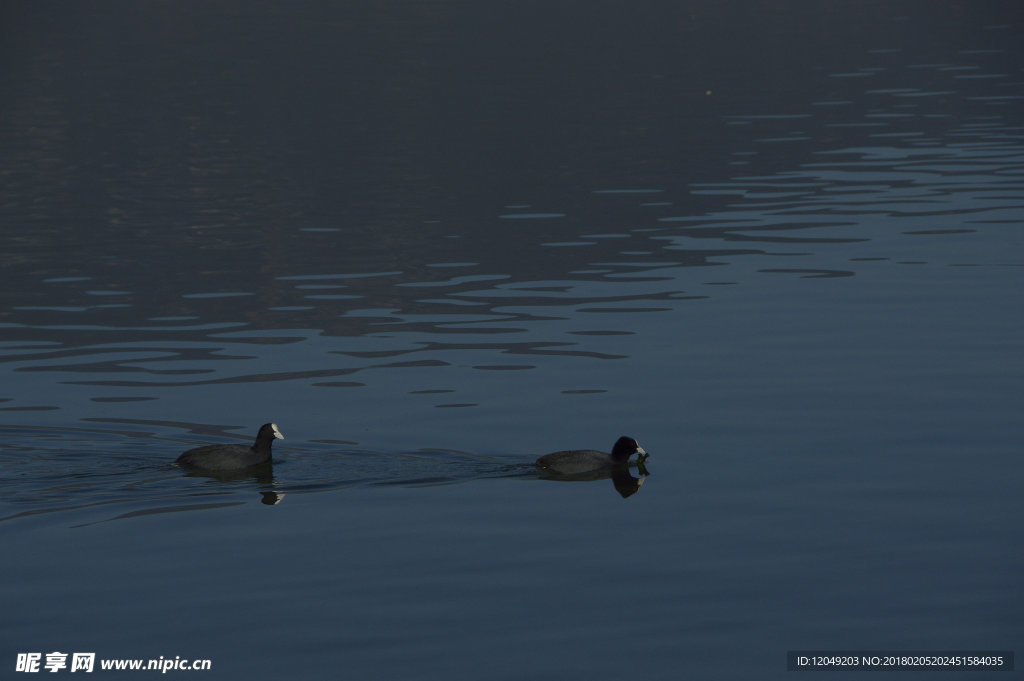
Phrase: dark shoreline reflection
(547, 271)
(388, 216)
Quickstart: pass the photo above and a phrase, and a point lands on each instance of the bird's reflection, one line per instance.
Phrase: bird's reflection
(262, 474)
(626, 484)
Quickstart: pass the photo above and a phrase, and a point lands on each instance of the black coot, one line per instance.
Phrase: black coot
(233, 457)
(582, 460)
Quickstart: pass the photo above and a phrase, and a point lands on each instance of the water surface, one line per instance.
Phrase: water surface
(432, 242)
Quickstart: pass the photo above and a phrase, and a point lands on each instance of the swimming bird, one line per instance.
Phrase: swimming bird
(575, 461)
(233, 457)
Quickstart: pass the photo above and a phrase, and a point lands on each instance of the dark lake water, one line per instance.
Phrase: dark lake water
(780, 244)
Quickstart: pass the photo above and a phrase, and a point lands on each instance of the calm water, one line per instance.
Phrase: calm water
(779, 245)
